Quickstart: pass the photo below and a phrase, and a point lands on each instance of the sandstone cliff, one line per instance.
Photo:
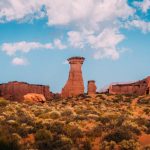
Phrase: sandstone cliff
(15, 91)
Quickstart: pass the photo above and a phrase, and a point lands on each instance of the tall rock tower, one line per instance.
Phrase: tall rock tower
(91, 87)
(148, 85)
(74, 85)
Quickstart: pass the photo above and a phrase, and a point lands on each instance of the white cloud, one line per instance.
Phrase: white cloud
(85, 11)
(23, 46)
(139, 24)
(105, 43)
(63, 12)
(19, 61)
(144, 5)
(20, 9)
(75, 39)
(94, 23)
(58, 44)
(108, 38)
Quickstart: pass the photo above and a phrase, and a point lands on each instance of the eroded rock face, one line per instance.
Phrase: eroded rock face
(91, 87)
(74, 85)
(33, 97)
(15, 91)
(138, 88)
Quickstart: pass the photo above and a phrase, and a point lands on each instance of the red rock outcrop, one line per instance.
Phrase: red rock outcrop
(91, 87)
(32, 97)
(138, 88)
(15, 91)
(74, 85)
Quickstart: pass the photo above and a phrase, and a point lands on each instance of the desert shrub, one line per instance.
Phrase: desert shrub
(134, 129)
(3, 102)
(108, 145)
(95, 131)
(43, 139)
(73, 132)
(147, 111)
(118, 98)
(57, 127)
(66, 143)
(93, 117)
(2, 118)
(127, 100)
(120, 120)
(144, 101)
(24, 116)
(80, 118)
(104, 119)
(54, 115)
(100, 96)
(46, 141)
(129, 145)
(44, 115)
(144, 122)
(118, 135)
(67, 112)
(24, 130)
(8, 142)
(146, 147)
(86, 145)
(60, 143)
(83, 96)
(82, 111)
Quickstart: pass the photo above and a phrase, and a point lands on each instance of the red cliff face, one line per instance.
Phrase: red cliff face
(91, 87)
(138, 88)
(74, 85)
(16, 90)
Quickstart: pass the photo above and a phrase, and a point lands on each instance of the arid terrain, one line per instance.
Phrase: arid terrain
(102, 122)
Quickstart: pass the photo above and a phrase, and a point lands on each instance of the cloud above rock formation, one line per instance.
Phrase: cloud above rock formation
(19, 61)
(95, 24)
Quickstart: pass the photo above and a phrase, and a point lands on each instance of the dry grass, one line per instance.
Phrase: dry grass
(100, 122)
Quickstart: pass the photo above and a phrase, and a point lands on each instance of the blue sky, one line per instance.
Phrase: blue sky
(35, 40)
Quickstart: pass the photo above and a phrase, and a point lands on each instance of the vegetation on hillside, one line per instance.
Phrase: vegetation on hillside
(105, 122)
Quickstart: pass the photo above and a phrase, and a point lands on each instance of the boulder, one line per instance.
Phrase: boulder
(33, 97)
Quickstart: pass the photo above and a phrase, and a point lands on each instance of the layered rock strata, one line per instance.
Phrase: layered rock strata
(91, 87)
(15, 91)
(141, 87)
(74, 85)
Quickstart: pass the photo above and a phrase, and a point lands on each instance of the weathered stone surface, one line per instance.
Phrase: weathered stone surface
(74, 85)
(91, 87)
(138, 88)
(32, 97)
(15, 91)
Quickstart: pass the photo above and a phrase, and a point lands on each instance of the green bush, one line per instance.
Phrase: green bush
(95, 131)
(3, 102)
(86, 145)
(8, 142)
(129, 145)
(57, 127)
(146, 147)
(43, 139)
(54, 115)
(118, 135)
(144, 101)
(67, 112)
(73, 132)
(108, 145)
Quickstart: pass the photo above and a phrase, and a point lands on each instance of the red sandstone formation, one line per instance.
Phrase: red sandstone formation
(32, 97)
(16, 90)
(138, 88)
(74, 85)
(91, 87)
